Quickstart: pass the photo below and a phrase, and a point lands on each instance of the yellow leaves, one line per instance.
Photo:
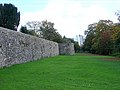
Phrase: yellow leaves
(115, 32)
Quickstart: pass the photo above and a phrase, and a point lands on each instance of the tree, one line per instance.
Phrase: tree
(98, 39)
(42, 29)
(34, 27)
(24, 29)
(9, 16)
(116, 34)
(116, 38)
(89, 41)
(67, 40)
(118, 14)
(49, 32)
(103, 37)
(105, 43)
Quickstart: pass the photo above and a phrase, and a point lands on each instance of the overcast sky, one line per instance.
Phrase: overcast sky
(71, 17)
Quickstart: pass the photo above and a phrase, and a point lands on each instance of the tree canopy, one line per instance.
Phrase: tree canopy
(102, 38)
(46, 30)
(9, 16)
(43, 29)
(49, 32)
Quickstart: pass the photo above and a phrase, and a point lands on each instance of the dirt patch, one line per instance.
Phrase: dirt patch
(112, 59)
(89, 54)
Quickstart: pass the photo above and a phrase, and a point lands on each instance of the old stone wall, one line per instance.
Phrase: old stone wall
(16, 47)
(66, 49)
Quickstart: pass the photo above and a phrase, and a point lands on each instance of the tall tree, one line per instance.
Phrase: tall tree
(34, 28)
(89, 41)
(116, 38)
(98, 39)
(9, 16)
(103, 37)
(42, 29)
(49, 32)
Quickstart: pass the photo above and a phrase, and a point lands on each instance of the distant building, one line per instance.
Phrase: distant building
(80, 39)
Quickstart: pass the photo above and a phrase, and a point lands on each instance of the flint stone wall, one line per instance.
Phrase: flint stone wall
(16, 47)
(66, 49)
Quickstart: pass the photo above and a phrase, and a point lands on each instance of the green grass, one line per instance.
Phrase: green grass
(79, 72)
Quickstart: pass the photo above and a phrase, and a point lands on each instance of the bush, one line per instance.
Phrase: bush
(116, 54)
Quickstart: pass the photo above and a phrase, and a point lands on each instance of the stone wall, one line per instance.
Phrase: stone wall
(16, 47)
(66, 49)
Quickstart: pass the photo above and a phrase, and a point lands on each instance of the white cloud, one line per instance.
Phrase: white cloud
(70, 16)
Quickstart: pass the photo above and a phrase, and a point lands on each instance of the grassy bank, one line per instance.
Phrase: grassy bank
(79, 72)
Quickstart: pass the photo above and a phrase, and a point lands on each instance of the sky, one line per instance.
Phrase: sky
(71, 17)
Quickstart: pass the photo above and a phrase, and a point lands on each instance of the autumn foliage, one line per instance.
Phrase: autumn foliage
(103, 38)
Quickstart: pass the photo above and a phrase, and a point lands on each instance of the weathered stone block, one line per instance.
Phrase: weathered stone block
(66, 49)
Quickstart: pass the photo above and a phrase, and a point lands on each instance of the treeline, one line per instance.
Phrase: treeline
(46, 30)
(103, 38)
(10, 18)
(43, 29)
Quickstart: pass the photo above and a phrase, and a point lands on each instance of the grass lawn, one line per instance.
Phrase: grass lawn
(78, 72)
